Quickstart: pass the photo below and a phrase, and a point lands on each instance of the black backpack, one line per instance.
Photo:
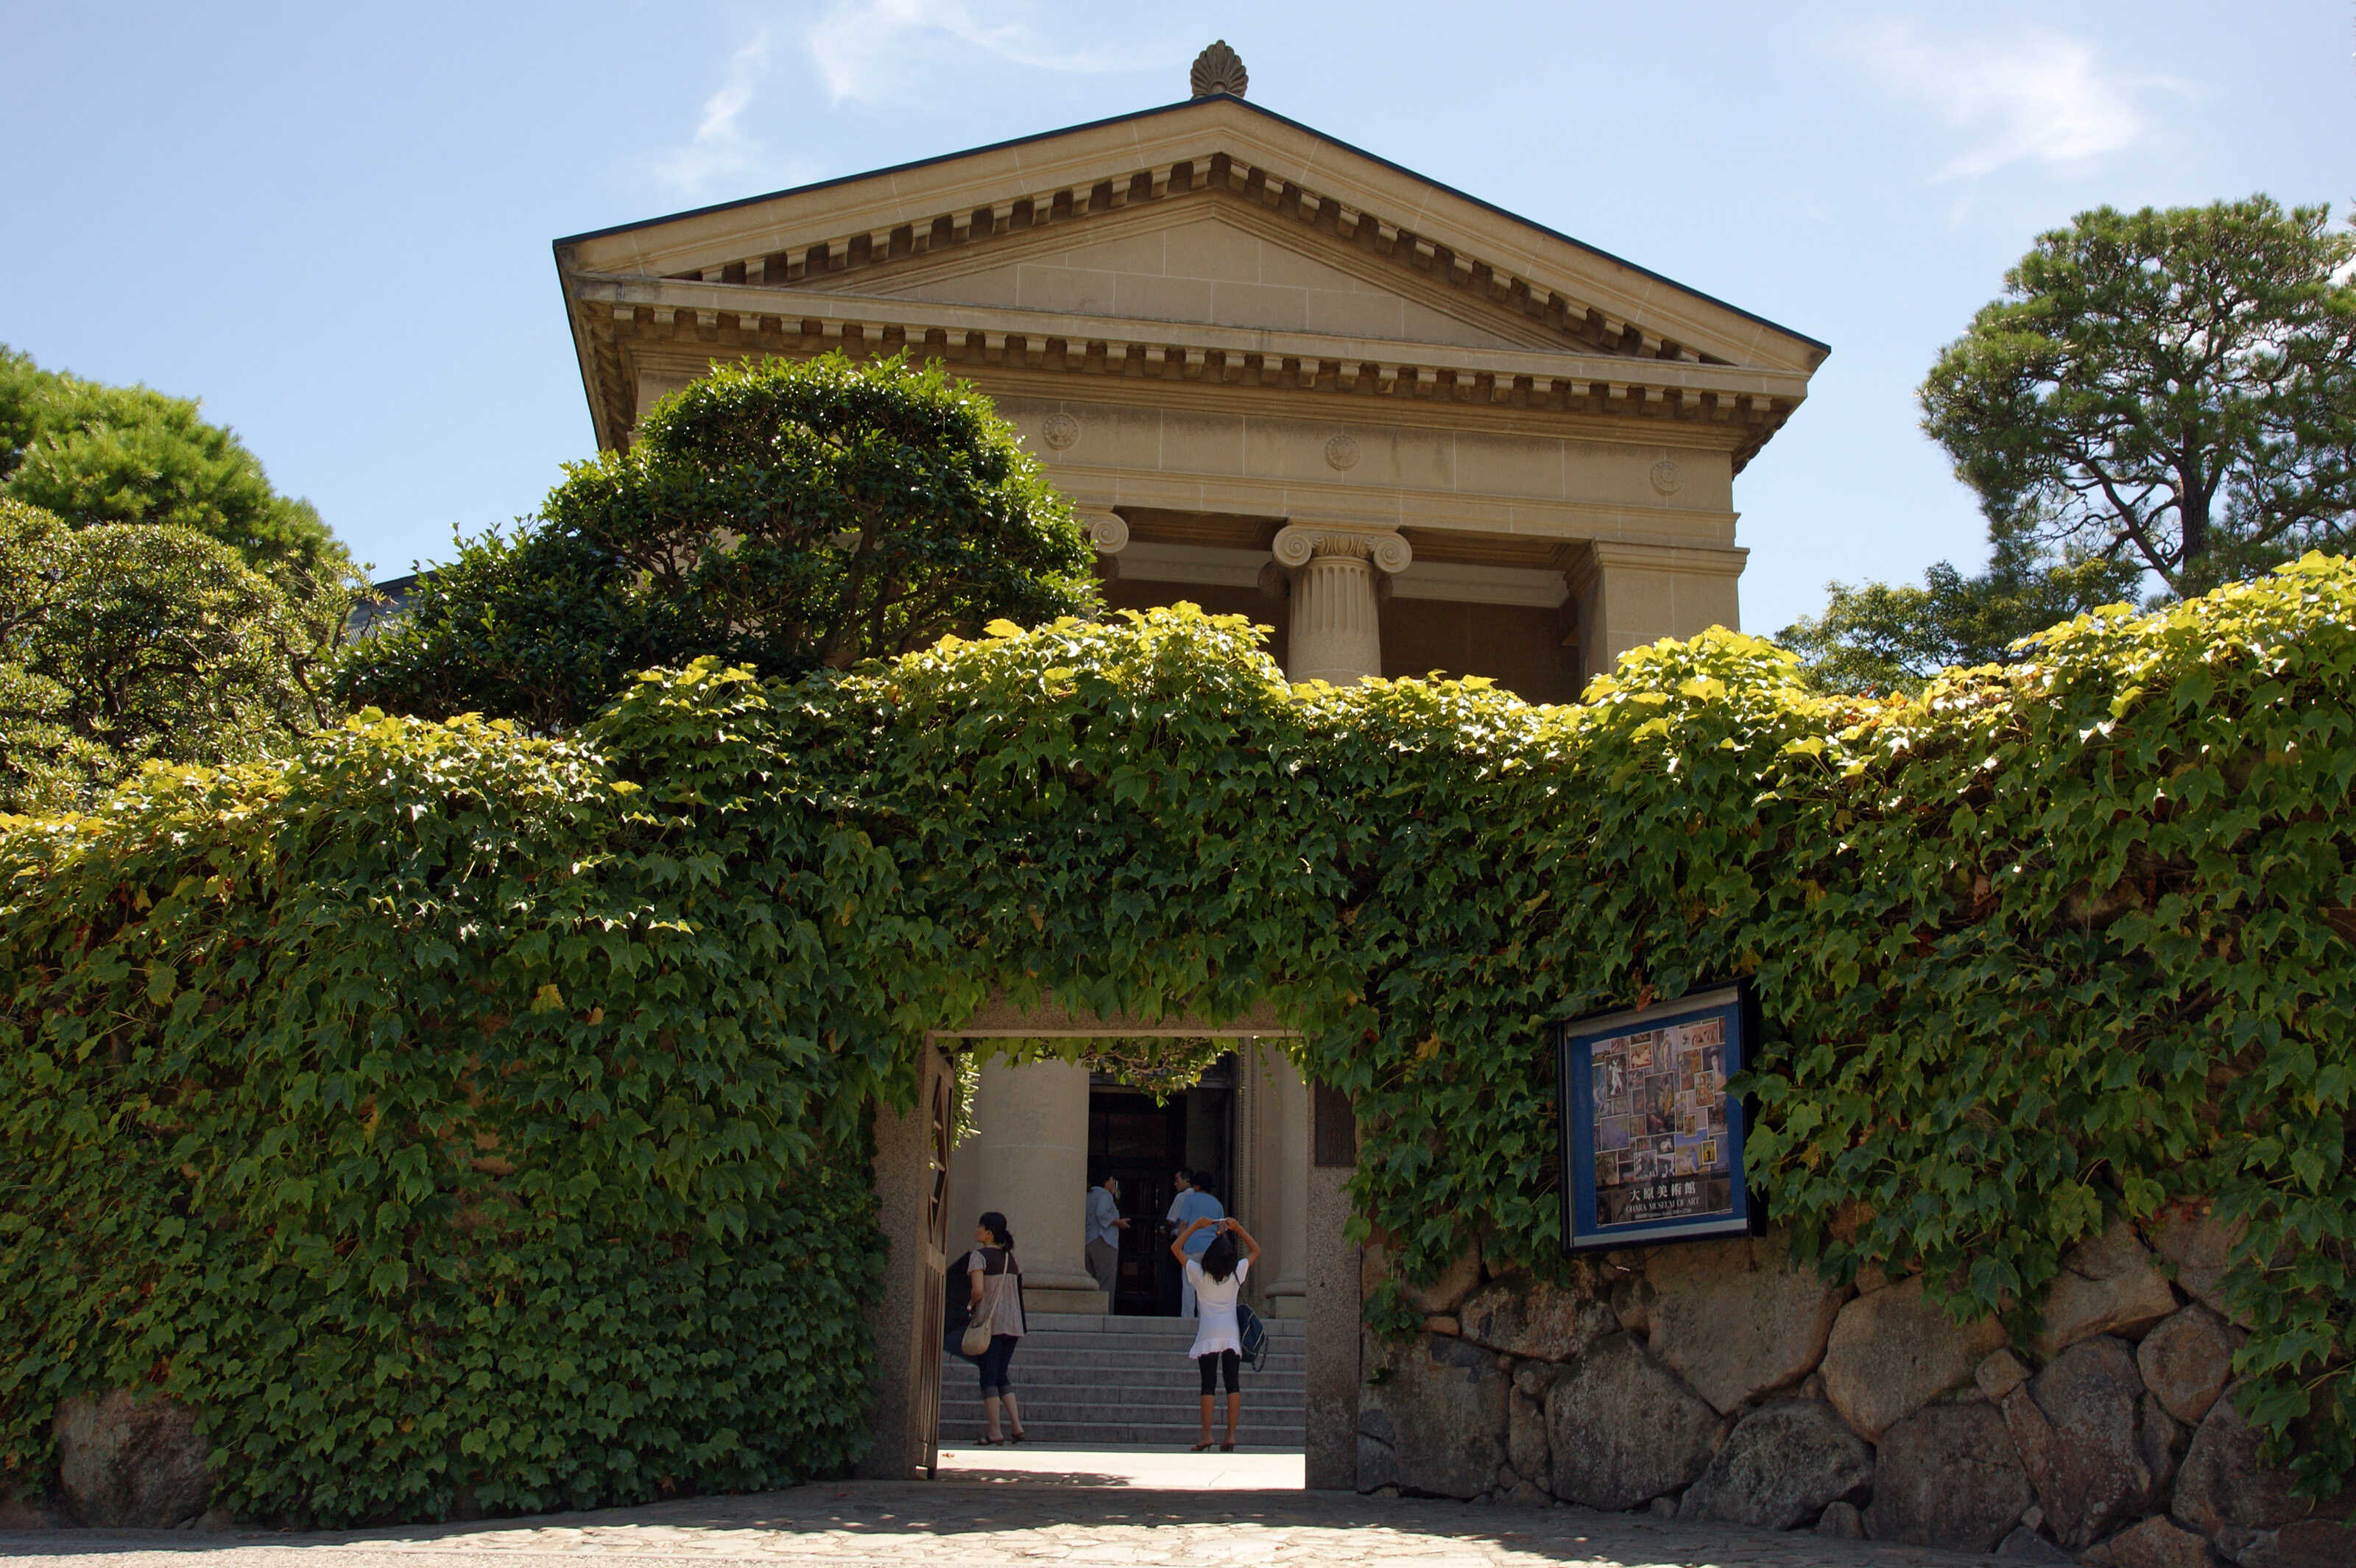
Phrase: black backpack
(1254, 1334)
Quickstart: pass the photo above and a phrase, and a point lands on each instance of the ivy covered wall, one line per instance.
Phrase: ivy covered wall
(459, 1120)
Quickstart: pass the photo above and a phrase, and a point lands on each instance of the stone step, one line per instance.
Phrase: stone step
(1039, 1323)
(1126, 1382)
(1102, 1323)
(1179, 1343)
(1117, 1361)
(1174, 1409)
(1044, 1374)
(1249, 1434)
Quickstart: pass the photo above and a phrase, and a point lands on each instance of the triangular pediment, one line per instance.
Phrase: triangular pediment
(1056, 217)
(1210, 261)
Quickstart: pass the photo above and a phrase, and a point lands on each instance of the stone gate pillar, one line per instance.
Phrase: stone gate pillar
(911, 1192)
(1335, 1374)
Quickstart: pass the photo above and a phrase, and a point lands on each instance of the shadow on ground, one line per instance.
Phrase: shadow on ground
(987, 1515)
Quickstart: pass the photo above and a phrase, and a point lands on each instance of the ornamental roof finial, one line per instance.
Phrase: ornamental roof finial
(1218, 69)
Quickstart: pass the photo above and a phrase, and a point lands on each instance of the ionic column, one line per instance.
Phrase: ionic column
(1336, 632)
(1031, 1163)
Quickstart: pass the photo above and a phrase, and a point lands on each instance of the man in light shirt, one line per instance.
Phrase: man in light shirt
(1193, 1203)
(1105, 1226)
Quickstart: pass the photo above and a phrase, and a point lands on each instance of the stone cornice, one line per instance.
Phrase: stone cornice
(1287, 167)
(1392, 506)
(1121, 344)
(698, 323)
(1215, 566)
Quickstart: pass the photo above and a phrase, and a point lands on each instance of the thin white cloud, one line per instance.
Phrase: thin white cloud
(2028, 95)
(861, 47)
(721, 149)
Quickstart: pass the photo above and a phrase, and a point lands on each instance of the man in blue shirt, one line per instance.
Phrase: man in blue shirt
(1104, 1228)
(1192, 1203)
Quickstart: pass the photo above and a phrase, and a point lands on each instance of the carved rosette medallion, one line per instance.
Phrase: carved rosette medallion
(1342, 453)
(1667, 477)
(1059, 431)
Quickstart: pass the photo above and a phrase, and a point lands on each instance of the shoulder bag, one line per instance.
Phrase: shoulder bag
(976, 1342)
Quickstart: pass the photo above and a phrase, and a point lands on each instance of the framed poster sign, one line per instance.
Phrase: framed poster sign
(1651, 1143)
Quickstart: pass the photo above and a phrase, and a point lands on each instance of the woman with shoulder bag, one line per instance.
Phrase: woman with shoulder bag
(996, 1323)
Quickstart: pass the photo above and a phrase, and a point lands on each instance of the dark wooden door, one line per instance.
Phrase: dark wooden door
(1141, 1142)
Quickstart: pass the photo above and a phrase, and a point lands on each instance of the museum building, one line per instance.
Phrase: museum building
(1279, 376)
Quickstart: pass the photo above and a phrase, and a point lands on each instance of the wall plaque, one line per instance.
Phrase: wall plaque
(1651, 1143)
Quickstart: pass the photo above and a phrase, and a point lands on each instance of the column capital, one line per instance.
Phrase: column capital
(1297, 544)
(1108, 530)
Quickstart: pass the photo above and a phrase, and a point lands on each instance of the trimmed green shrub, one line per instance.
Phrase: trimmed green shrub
(782, 515)
(2049, 944)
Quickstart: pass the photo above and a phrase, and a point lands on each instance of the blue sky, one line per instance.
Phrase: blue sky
(332, 223)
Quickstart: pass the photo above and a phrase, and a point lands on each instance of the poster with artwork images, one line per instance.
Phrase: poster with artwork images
(1652, 1140)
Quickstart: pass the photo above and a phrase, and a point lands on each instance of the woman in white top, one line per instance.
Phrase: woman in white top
(1218, 1281)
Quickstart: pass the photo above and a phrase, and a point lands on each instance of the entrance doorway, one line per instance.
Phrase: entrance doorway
(1143, 1143)
(1124, 1383)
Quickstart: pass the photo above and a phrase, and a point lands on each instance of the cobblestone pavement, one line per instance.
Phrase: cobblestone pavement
(1079, 1508)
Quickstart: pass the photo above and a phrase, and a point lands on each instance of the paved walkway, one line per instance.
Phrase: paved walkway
(1019, 1506)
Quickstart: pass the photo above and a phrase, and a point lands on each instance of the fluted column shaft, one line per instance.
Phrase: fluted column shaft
(1031, 1158)
(1336, 630)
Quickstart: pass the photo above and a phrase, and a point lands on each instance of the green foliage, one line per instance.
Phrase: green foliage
(2085, 945)
(1878, 637)
(121, 642)
(782, 516)
(2172, 388)
(2049, 943)
(93, 453)
(428, 1115)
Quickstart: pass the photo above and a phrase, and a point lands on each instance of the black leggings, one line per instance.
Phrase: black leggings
(1217, 1361)
(993, 1362)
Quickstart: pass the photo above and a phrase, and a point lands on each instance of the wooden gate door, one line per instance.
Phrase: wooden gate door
(912, 1182)
(927, 1415)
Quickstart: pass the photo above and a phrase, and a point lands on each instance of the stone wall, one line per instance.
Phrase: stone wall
(1716, 1381)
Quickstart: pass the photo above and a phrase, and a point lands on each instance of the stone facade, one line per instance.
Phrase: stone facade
(1236, 344)
(1716, 1381)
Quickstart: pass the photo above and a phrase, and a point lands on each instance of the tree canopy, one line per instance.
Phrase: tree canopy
(91, 454)
(1881, 637)
(121, 642)
(784, 516)
(2175, 389)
